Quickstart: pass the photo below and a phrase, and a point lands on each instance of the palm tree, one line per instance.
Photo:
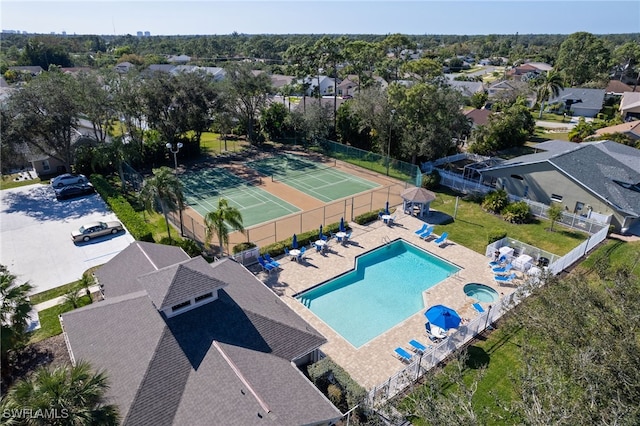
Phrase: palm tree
(217, 220)
(548, 87)
(73, 396)
(164, 188)
(15, 308)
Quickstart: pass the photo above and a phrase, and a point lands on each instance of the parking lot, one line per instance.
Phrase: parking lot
(35, 234)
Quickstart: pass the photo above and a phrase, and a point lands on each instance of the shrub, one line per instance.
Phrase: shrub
(190, 247)
(495, 201)
(334, 393)
(431, 180)
(238, 248)
(121, 207)
(518, 212)
(326, 372)
(365, 218)
(304, 239)
(496, 235)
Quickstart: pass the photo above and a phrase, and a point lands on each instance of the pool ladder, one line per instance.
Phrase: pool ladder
(386, 240)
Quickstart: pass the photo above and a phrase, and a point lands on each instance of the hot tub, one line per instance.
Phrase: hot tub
(480, 292)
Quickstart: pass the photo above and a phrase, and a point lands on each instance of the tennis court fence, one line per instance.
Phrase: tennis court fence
(282, 228)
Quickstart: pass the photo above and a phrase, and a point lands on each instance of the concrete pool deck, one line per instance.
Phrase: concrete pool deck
(374, 362)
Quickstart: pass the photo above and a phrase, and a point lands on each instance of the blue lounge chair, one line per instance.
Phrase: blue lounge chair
(441, 239)
(403, 354)
(504, 278)
(269, 260)
(502, 269)
(426, 234)
(265, 266)
(478, 307)
(286, 252)
(417, 346)
(421, 230)
(497, 263)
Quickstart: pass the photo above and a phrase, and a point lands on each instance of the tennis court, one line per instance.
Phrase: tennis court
(203, 188)
(320, 180)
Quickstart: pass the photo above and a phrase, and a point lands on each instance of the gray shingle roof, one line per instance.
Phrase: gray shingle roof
(589, 98)
(180, 282)
(118, 276)
(225, 362)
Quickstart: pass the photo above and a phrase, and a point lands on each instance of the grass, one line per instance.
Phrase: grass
(43, 296)
(212, 144)
(49, 322)
(8, 182)
(618, 253)
(472, 227)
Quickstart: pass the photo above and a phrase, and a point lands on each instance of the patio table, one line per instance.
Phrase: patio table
(294, 254)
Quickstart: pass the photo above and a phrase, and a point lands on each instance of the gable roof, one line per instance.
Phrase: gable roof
(599, 167)
(589, 98)
(629, 100)
(617, 87)
(467, 88)
(225, 362)
(118, 276)
(478, 116)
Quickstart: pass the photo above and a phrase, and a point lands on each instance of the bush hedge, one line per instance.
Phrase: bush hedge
(518, 212)
(304, 239)
(496, 235)
(326, 373)
(121, 207)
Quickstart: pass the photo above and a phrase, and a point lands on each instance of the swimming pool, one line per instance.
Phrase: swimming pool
(383, 290)
(480, 292)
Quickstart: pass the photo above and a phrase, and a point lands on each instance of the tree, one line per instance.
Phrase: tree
(507, 129)
(272, 120)
(424, 70)
(165, 189)
(216, 223)
(582, 58)
(554, 213)
(75, 394)
(15, 314)
(44, 115)
(626, 59)
(582, 130)
(249, 93)
(97, 102)
(547, 86)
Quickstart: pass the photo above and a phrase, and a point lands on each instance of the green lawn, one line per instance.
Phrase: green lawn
(8, 182)
(212, 143)
(49, 322)
(472, 227)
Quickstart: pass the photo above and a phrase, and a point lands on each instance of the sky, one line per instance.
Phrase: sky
(470, 17)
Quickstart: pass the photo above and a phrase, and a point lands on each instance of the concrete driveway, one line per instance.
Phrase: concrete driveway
(35, 234)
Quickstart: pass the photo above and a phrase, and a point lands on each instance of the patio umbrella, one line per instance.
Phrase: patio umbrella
(342, 224)
(294, 242)
(443, 316)
(386, 208)
(320, 233)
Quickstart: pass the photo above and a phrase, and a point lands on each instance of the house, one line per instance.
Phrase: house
(579, 101)
(523, 72)
(510, 89)
(31, 70)
(479, 117)
(630, 106)
(178, 59)
(326, 85)
(123, 67)
(592, 179)
(630, 129)
(348, 86)
(617, 88)
(185, 342)
(279, 81)
(467, 88)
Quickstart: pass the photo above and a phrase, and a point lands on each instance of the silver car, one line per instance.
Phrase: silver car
(68, 179)
(95, 229)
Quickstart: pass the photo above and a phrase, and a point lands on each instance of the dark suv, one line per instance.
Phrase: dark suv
(71, 191)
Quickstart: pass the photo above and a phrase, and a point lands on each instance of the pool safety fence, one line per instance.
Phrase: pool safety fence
(284, 227)
(408, 376)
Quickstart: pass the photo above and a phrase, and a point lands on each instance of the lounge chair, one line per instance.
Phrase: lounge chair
(441, 239)
(421, 230)
(268, 258)
(430, 334)
(417, 346)
(265, 266)
(478, 307)
(502, 269)
(391, 220)
(403, 354)
(426, 234)
(497, 263)
(504, 278)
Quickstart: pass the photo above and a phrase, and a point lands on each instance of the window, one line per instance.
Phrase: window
(557, 198)
(45, 165)
(180, 306)
(204, 296)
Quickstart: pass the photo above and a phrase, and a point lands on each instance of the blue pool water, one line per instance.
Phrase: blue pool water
(385, 289)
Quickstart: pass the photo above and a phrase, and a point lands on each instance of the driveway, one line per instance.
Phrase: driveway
(35, 234)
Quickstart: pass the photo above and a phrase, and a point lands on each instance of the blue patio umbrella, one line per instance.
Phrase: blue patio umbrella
(294, 242)
(342, 224)
(320, 233)
(386, 208)
(443, 317)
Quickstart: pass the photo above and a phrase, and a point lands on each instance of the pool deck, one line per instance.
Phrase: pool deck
(374, 362)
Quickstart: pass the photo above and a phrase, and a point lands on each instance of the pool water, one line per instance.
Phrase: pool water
(383, 290)
(480, 292)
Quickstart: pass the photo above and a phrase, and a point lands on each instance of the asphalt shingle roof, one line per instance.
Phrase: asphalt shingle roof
(226, 362)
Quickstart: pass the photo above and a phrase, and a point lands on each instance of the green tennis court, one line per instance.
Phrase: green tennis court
(321, 181)
(203, 189)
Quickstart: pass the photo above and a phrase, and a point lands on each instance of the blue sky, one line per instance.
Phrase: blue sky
(170, 17)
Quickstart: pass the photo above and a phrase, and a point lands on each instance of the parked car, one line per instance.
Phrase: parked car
(68, 179)
(95, 229)
(71, 191)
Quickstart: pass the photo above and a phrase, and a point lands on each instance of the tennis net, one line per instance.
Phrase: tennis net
(296, 173)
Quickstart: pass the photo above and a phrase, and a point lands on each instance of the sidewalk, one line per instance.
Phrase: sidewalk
(60, 300)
